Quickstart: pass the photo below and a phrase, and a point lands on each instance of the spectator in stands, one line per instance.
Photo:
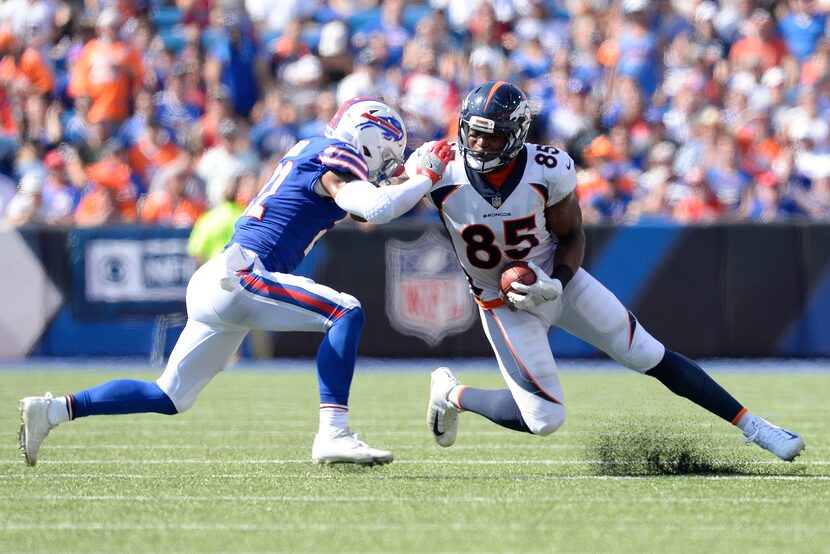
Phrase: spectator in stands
(60, 195)
(112, 181)
(802, 28)
(231, 62)
(334, 52)
(727, 180)
(170, 205)
(716, 69)
(153, 150)
(172, 108)
(230, 157)
(390, 26)
(133, 128)
(22, 68)
(761, 44)
(697, 203)
(214, 228)
(275, 125)
(109, 72)
(26, 208)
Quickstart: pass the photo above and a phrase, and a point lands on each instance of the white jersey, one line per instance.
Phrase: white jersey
(491, 228)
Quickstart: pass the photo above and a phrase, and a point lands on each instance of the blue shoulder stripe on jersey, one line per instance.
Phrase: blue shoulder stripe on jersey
(349, 153)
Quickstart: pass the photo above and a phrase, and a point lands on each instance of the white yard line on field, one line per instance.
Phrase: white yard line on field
(404, 527)
(189, 461)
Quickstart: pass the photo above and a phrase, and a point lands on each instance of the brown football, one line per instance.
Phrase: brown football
(516, 271)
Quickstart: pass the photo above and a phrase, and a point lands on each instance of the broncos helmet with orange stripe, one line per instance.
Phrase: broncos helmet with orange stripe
(376, 131)
(494, 107)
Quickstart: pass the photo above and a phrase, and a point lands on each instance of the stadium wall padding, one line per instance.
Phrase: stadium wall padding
(739, 290)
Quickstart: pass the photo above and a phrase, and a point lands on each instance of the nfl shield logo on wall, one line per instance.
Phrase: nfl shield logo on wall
(427, 294)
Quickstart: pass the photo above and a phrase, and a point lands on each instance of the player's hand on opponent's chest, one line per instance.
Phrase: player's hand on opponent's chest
(433, 162)
(545, 289)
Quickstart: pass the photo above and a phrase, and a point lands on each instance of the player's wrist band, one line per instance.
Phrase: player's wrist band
(564, 273)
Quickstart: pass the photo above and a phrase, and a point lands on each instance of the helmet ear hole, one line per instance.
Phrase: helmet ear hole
(367, 152)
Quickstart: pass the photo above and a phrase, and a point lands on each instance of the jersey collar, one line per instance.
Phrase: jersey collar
(487, 191)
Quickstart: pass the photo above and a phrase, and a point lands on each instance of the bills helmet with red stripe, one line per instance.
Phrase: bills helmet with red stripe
(376, 130)
(494, 107)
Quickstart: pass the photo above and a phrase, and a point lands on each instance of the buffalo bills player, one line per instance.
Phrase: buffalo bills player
(251, 285)
(503, 200)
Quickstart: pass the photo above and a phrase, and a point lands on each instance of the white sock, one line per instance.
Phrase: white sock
(333, 417)
(745, 420)
(57, 412)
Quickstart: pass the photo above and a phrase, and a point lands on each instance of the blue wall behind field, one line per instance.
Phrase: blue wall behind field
(726, 290)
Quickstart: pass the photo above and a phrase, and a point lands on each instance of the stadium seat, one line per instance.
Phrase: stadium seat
(361, 19)
(166, 17)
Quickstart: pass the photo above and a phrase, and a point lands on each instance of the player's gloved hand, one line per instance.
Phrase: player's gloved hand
(545, 289)
(434, 161)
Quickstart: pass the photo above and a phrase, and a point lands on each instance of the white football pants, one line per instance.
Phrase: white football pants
(230, 295)
(587, 310)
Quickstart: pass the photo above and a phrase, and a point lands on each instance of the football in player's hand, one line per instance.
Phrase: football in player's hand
(516, 271)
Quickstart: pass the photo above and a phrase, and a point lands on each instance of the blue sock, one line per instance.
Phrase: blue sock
(123, 396)
(336, 357)
(496, 405)
(685, 378)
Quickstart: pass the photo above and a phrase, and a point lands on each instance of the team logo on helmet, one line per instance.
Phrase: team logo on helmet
(392, 128)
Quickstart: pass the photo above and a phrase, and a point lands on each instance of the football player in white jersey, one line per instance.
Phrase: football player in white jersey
(251, 284)
(503, 200)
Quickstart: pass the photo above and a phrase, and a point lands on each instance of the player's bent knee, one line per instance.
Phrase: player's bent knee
(547, 424)
(353, 317)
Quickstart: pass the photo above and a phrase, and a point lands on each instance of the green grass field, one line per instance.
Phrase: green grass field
(234, 474)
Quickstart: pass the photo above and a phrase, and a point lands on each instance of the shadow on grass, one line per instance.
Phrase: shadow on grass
(652, 451)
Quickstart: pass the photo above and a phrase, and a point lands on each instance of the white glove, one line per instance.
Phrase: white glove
(545, 289)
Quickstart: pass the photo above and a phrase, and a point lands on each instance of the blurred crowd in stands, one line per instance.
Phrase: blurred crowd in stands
(156, 111)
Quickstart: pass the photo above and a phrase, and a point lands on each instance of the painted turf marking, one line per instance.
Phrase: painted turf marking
(398, 462)
(330, 476)
(373, 499)
(327, 528)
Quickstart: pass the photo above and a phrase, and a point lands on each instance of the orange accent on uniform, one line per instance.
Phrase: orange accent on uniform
(738, 417)
(519, 361)
(490, 304)
(497, 178)
(493, 91)
(461, 389)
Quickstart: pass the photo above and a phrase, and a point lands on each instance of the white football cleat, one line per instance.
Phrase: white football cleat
(347, 447)
(442, 416)
(781, 442)
(34, 425)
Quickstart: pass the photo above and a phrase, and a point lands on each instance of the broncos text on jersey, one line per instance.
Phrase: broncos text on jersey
(492, 227)
(288, 216)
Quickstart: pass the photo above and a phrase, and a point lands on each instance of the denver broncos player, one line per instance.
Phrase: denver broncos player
(250, 285)
(503, 200)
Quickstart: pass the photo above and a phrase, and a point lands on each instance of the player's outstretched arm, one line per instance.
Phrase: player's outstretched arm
(381, 205)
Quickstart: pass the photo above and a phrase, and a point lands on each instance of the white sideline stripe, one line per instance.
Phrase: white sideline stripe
(174, 461)
(326, 527)
(432, 499)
